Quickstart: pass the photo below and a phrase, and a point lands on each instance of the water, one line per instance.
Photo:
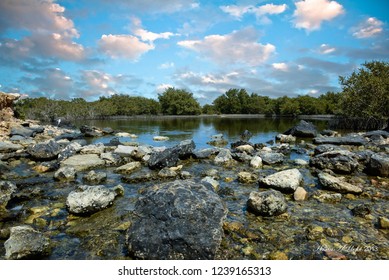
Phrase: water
(200, 129)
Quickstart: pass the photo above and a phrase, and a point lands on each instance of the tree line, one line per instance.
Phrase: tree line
(364, 95)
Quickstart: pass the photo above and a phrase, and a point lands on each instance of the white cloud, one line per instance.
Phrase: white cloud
(269, 9)
(148, 36)
(326, 49)
(280, 66)
(162, 87)
(167, 65)
(369, 28)
(123, 46)
(309, 14)
(236, 11)
(237, 47)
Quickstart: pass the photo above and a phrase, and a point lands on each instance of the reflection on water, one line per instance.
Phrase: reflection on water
(200, 129)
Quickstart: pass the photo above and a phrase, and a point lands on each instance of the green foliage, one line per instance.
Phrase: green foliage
(178, 102)
(366, 91)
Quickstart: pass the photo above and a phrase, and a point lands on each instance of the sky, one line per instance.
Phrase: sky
(93, 48)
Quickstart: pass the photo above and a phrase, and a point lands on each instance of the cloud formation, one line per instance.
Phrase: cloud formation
(310, 14)
(261, 12)
(369, 28)
(238, 47)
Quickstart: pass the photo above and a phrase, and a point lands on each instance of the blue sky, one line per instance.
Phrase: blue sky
(90, 48)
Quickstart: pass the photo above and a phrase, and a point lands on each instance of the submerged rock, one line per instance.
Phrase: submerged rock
(267, 203)
(339, 161)
(90, 199)
(128, 168)
(177, 220)
(93, 177)
(302, 129)
(26, 243)
(247, 177)
(337, 184)
(286, 181)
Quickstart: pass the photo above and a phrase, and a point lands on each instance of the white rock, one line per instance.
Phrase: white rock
(285, 181)
(125, 151)
(129, 167)
(256, 162)
(83, 162)
(160, 138)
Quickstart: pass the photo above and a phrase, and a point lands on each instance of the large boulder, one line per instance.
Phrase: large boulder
(339, 161)
(337, 184)
(177, 220)
(83, 162)
(7, 189)
(45, 150)
(267, 203)
(90, 199)
(353, 140)
(378, 165)
(302, 129)
(26, 243)
(286, 181)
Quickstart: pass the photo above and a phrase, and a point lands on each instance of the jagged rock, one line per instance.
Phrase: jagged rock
(93, 177)
(247, 177)
(302, 129)
(271, 158)
(7, 189)
(83, 162)
(128, 168)
(91, 131)
(65, 173)
(177, 220)
(378, 165)
(353, 140)
(45, 150)
(267, 203)
(26, 243)
(242, 157)
(185, 148)
(224, 156)
(339, 161)
(256, 162)
(90, 199)
(69, 151)
(7, 147)
(286, 181)
(337, 184)
(6, 105)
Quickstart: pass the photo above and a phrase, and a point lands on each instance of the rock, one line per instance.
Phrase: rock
(139, 177)
(340, 161)
(69, 151)
(128, 168)
(247, 177)
(361, 210)
(278, 256)
(110, 158)
(382, 133)
(352, 140)
(26, 243)
(267, 203)
(7, 147)
(69, 136)
(83, 162)
(185, 175)
(218, 141)
(7, 189)
(185, 148)
(45, 150)
(245, 148)
(141, 152)
(300, 194)
(210, 180)
(160, 138)
(246, 135)
(256, 162)
(107, 130)
(337, 184)
(93, 177)
(167, 173)
(205, 153)
(177, 220)
(125, 151)
(329, 132)
(334, 255)
(224, 156)
(22, 131)
(167, 158)
(328, 197)
(383, 222)
(270, 158)
(378, 165)
(286, 138)
(326, 148)
(93, 149)
(242, 157)
(90, 199)
(91, 131)
(302, 129)
(65, 173)
(285, 181)
(301, 162)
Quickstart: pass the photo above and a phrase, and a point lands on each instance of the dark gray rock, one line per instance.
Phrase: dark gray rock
(7, 147)
(45, 150)
(91, 131)
(267, 203)
(185, 148)
(353, 140)
(339, 161)
(361, 210)
(240, 143)
(328, 132)
(302, 129)
(7, 189)
(26, 243)
(205, 153)
(270, 158)
(115, 141)
(90, 199)
(378, 165)
(382, 133)
(17, 138)
(167, 173)
(22, 131)
(107, 130)
(326, 148)
(69, 151)
(69, 136)
(177, 220)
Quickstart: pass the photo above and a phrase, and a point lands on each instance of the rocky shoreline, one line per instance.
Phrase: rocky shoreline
(301, 198)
